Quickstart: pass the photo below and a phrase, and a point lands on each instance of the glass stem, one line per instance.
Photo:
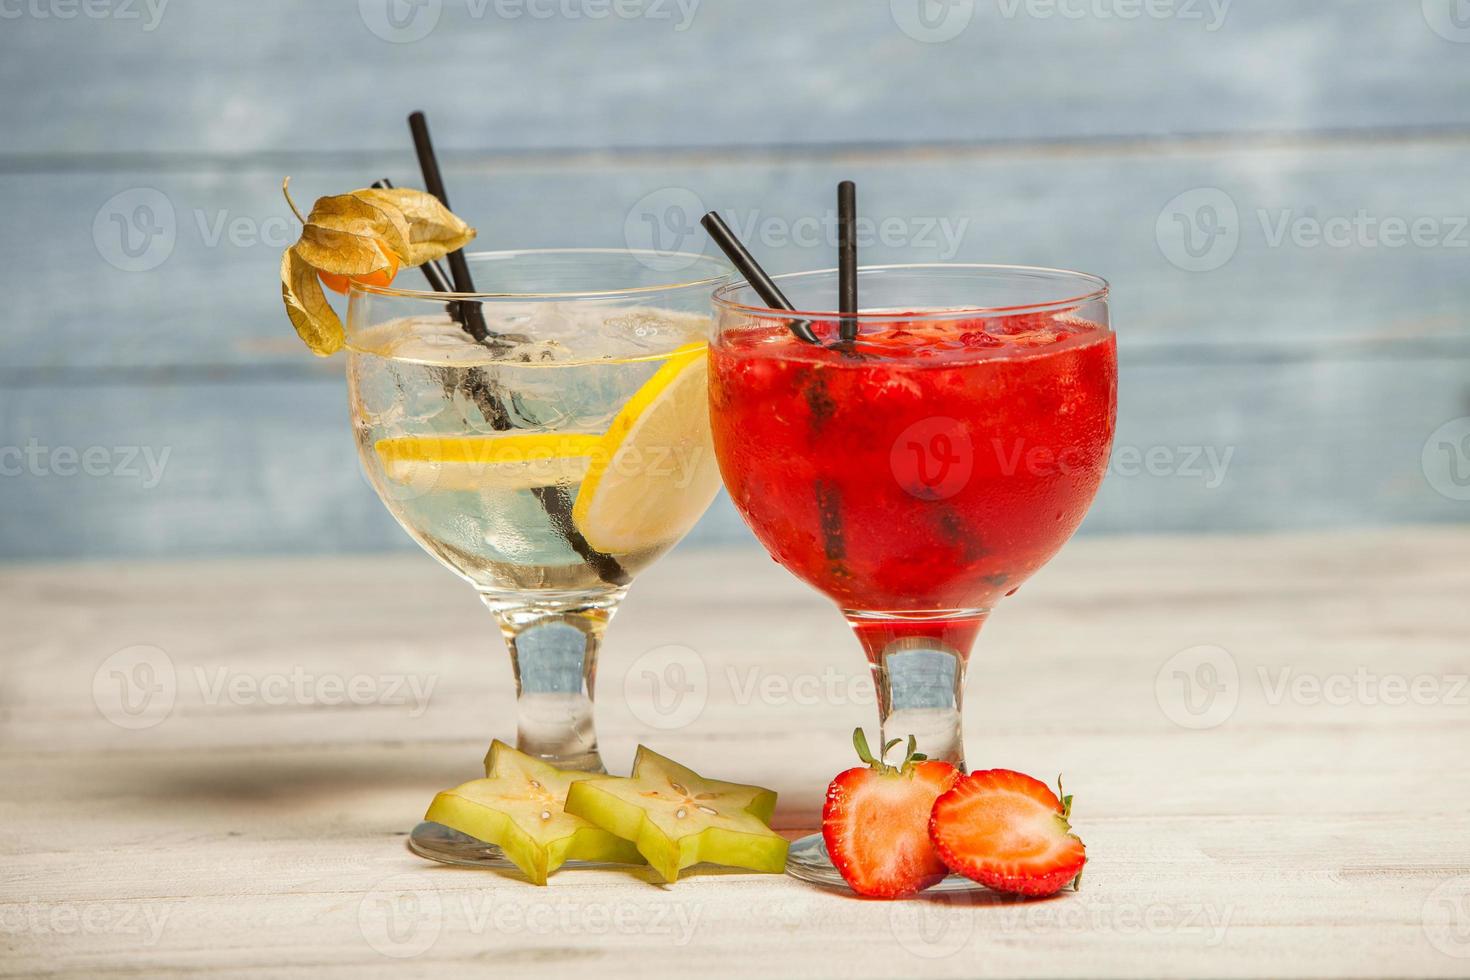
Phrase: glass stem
(553, 653)
(918, 665)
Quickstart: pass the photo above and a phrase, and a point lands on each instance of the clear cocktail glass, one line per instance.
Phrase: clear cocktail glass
(548, 462)
(920, 473)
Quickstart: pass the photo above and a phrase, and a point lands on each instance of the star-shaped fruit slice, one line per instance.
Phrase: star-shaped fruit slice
(678, 818)
(518, 807)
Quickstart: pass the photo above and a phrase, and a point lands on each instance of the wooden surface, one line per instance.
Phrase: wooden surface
(1310, 820)
(1041, 136)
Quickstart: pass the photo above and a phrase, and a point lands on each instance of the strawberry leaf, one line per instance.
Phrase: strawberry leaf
(860, 742)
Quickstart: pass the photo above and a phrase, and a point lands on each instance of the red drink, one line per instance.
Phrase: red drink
(931, 467)
(923, 471)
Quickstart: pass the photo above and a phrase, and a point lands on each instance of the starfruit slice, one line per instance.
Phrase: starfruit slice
(518, 807)
(677, 818)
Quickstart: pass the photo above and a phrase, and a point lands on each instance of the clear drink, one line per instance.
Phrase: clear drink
(481, 453)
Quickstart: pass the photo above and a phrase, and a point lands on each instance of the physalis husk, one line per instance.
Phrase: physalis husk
(364, 236)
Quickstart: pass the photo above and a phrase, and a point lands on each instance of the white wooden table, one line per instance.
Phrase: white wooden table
(1267, 738)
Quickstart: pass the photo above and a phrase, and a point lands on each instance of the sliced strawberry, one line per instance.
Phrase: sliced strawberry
(1009, 832)
(876, 822)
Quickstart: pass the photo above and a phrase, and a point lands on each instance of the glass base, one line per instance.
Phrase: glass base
(808, 860)
(438, 843)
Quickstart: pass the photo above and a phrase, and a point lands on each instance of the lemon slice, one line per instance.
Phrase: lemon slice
(657, 472)
(499, 462)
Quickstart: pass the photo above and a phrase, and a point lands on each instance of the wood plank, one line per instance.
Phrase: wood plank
(276, 75)
(259, 467)
(209, 299)
(244, 838)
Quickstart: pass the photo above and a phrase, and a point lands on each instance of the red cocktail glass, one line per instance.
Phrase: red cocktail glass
(920, 473)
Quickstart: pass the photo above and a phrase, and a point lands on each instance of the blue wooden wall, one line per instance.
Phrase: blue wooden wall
(1277, 188)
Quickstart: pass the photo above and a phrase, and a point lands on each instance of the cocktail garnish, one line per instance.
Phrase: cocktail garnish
(657, 468)
(677, 818)
(364, 236)
(518, 806)
(1009, 832)
(474, 464)
(875, 821)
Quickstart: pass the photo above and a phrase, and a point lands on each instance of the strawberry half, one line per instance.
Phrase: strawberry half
(1009, 832)
(876, 822)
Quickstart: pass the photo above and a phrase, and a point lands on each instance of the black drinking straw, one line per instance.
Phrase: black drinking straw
(553, 500)
(473, 316)
(747, 266)
(847, 285)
